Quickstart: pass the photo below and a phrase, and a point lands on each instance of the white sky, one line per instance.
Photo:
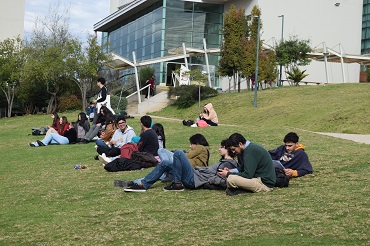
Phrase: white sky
(83, 14)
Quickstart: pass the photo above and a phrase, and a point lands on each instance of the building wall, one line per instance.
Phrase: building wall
(317, 20)
(11, 19)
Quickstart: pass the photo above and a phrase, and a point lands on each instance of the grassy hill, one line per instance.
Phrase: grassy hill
(45, 201)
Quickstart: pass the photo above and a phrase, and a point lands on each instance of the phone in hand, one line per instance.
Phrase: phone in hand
(219, 170)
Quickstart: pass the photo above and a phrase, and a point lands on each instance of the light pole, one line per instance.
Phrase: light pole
(256, 74)
(282, 39)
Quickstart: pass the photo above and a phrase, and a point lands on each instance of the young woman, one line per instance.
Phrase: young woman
(55, 124)
(69, 136)
(209, 115)
(82, 125)
(103, 115)
(63, 125)
(158, 128)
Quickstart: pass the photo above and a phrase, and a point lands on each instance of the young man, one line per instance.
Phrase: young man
(148, 138)
(292, 156)
(256, 172)
(121, 136)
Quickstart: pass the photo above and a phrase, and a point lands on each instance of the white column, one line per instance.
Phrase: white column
(207, 63)
(136, 77)
(342, 63)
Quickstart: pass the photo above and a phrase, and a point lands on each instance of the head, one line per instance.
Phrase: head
(63, 120)
(158, 128)
(100, 82)
(73, 125)
(197, 139)
(55, 115)
(92, 104)
(121, 122)
(82, 117)
(237, 143)
(105, 111)
(224, 149)
(291, 142)
(146, 121)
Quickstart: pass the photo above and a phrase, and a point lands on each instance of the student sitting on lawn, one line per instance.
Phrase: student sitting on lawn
(292, 156)
(197, 156)
(69, 137)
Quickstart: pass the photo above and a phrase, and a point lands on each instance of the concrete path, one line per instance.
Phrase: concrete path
(359, 138)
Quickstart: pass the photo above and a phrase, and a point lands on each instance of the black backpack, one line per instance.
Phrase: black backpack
(187, 122)
(281, 179)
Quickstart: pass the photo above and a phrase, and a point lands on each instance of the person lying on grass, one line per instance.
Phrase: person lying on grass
(69, 137)
(193, 177)
(292, 156)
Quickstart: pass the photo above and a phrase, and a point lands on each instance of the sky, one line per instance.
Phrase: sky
(83, 14)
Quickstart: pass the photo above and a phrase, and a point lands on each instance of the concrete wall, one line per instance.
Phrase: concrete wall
(11, 18)
(317, 20)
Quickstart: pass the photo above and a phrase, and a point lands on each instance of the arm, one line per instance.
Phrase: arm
(103, 94)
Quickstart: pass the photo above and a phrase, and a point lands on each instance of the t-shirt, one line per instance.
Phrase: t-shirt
(149, 142)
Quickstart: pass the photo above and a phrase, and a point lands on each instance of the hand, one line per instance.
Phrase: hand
(224, 172)
(113, 142)
(99, 124)
(288, 172)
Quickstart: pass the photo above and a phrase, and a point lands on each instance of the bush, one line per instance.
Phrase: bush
(188, 94)
(69, 102)
(114, 103)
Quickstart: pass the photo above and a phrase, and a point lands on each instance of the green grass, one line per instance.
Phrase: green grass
(45, 201)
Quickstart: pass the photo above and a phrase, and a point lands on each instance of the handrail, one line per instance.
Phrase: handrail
(139, 91)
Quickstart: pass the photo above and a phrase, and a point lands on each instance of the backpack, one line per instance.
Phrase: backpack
(127, 149)
(187, 122)
(36, 131)
(281, 179)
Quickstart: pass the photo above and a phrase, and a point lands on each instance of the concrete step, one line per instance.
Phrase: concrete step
(152, 104)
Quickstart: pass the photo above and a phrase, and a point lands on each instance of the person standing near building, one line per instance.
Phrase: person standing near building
(151, 83)
(103, 98)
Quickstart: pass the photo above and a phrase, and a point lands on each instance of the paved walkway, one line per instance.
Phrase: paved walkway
(359, 138)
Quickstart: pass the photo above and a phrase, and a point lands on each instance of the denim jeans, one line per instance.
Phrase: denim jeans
(156, 173)
(54, 138)
(101, 143)
(182, 170)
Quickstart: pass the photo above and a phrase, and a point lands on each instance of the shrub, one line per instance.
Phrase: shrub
(188, 94)
(114, 103)
(69, 102)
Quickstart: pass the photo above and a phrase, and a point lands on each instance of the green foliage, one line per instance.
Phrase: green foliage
(188, 94)
(293, 52)
(69, 102)
(296, 75)
(114, 100)
(145, 73)
(368, 74)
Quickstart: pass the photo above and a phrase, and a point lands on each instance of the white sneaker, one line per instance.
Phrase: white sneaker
(194, 125)
(104, 159)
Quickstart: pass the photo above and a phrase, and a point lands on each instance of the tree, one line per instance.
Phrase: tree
(232, 52)
(11, 62)
(293, 53)
(84, 64)
(145, 73)
(296, 75)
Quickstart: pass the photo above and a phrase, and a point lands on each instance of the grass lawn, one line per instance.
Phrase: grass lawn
(45, 201)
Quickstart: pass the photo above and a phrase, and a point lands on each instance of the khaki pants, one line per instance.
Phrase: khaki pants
(254, 184)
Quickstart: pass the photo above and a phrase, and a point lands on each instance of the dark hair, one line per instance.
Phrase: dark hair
(236, 138)
(83, 119)
(101, 80)
(121, 118)
(198, 139)
(158, 128)
(291, 137)
(226, 143)
(146, 120)
(55, 120)
(61, 126)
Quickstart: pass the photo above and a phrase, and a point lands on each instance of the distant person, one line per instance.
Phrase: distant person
(103, 99)
(256, 172)
(209, 116)
(91, 111)
(69, 136)
(151, 83)
(292, 156)
(82, 125)
(55, 123)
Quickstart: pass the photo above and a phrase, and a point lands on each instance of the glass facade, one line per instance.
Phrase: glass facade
(165, 25)
(365, 41)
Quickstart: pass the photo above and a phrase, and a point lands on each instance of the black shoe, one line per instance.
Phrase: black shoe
(31, 144)
(236, 191)
(174, 187)
(96, 157)
(40, 143)
(135, 188)
(122, 183)
(85, 141)
(168, 178)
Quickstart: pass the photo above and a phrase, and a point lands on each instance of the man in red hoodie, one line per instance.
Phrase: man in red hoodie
(292, 156)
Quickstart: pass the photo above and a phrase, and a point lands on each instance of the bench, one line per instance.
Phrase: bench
(309, 82)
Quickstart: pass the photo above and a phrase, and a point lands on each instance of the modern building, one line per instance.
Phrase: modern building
(156, 28)
(12, 19)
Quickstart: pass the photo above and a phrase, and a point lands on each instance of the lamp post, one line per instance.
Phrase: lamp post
(282, 39)
(256, 74)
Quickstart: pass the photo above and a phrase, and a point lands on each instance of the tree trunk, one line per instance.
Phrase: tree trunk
(52, 106)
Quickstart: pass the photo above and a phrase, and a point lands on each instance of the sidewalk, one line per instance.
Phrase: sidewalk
(359, 138)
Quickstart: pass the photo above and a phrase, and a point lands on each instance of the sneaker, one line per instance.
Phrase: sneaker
(40, 143)
(96, 157)
(168, 178)
(135, 188)
(122, 183)
(84, 141)
(174, 187)
(194, 125)
(236, 191)
(104, 159)
(31, 144)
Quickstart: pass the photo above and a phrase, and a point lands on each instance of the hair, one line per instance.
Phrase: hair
(106, 111)
(158, 128)
(61, 126)
(101, 80)
(235, 139)
(198, 139)
(291, 137)
(146, 120)
(83, 118)
(226, 143)
(55, 120)
(119, 118)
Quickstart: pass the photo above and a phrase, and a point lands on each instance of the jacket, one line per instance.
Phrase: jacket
(212, 116)
(199, 156)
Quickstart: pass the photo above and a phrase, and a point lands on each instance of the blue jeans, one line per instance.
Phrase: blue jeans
(54, 138)
(182, 170)
(156, 173)
(101, 143)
